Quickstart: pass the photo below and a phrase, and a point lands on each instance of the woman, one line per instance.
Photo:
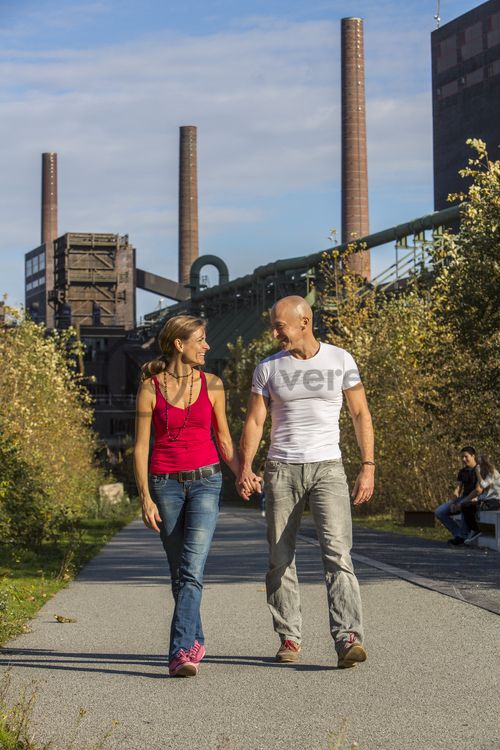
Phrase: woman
(181, 499)
(488, 487)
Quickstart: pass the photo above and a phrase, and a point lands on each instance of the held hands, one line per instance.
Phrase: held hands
(247, 483)
(364, 484)
(150, 515)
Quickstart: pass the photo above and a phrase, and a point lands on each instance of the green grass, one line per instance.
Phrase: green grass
(389, 522)
(30, 578)
(15, 722)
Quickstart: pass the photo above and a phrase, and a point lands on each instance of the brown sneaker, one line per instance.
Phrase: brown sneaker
(352, 653)
(289, 651)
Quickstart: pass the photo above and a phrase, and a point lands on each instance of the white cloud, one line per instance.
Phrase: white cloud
(265, 99)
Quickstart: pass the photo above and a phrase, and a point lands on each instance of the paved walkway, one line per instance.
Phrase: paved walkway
(471, 574)
(430, 682)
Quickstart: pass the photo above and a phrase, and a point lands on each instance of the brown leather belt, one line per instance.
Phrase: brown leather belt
(190, 476)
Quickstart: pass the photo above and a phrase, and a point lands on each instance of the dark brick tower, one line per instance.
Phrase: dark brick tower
(355, 221)
(49, 199)
(188, 202)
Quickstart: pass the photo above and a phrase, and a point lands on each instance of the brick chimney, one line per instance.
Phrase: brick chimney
(49, 199)
(355, 221)
(188, 202)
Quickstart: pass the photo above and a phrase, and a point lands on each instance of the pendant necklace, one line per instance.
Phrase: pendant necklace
(173, 438)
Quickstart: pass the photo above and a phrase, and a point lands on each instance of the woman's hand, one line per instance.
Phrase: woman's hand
(150, 515)
(247, 482)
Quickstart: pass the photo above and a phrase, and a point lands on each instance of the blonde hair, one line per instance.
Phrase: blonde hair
(180, 327)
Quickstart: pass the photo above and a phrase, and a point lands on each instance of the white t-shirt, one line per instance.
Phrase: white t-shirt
(491, 486)
(305, 398)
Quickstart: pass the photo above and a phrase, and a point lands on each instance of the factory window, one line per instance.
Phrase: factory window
(472, 41)
(446, 53)
(29, 267)
(494, 68)
(35, 264)
(28, 286)
(88, 350)
(35, 284)
(475, 77)
(42, 262)
(448, 89)
(493, 30)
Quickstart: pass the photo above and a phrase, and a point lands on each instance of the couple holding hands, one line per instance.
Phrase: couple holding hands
(303, 386)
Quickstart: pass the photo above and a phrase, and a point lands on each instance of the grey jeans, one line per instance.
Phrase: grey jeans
(287, 487)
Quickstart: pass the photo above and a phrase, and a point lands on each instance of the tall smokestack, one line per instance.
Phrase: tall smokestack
(355, 221)
(188, 202)
(49, 199)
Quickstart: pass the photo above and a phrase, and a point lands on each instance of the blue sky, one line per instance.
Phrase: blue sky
(107, 83)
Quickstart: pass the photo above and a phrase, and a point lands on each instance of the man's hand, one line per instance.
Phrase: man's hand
(150, 515)
(247, 483)
(363, 486)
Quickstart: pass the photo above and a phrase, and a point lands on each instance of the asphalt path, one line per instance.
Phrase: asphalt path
(431, 680)
(469, 573)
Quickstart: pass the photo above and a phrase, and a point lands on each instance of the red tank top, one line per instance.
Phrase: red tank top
(195, 446)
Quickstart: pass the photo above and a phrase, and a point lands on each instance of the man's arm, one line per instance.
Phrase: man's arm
(251, 436)
(363, 427)
(470, 499)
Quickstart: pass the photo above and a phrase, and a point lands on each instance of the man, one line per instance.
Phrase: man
(465, 491)
(303, 385)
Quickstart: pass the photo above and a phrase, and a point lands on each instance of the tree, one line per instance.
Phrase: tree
(428, 354)
(46, 440)
(238, 380)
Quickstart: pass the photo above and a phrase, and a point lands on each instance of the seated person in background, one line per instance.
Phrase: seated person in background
(489, 482)
(465, 491)
(488, 487)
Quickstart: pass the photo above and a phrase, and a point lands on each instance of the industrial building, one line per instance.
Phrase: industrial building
(465, 93)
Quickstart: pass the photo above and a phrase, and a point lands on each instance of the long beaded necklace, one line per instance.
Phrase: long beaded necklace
(174, 438)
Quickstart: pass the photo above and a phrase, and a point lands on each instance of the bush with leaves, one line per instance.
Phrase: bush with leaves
(46, 441)
(238, 380)
(428, 355)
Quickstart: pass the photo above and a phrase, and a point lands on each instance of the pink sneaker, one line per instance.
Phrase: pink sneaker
(197, 652)
(182, 665)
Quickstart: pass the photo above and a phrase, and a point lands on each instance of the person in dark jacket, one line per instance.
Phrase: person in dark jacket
(465, 491)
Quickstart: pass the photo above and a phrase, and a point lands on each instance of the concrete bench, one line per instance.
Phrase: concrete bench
(490, 519)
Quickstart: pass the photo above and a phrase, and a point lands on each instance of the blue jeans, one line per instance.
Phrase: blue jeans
(189, 513)
(444, 515)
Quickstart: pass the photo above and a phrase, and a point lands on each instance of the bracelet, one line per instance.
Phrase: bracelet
(370, 463)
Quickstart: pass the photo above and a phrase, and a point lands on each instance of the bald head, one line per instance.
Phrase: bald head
(291, 323)
(292, 307)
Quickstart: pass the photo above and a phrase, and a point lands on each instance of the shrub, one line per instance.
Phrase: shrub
(46, 441)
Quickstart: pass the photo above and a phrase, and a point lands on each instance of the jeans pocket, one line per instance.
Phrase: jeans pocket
(214, 480)
(157, 480)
